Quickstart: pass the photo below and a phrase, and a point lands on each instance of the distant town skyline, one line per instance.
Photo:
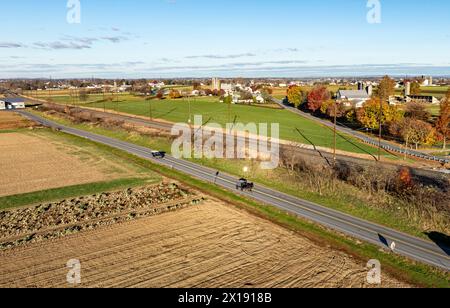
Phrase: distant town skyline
(226, 38)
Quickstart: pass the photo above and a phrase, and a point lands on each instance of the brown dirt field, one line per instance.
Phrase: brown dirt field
(29, 162)
(37, 223)
(210, 245)
(11, 120)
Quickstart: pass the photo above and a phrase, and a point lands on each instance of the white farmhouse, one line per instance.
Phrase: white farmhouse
(355, 98)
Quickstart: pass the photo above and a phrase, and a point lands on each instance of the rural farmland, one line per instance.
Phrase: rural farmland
(213, 156)
(166, 234)
(44, 164)
(207, 245)
(212, 110)
(327, 191)
(10, 121)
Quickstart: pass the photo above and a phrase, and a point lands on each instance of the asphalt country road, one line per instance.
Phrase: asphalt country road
(384, 145)
(422, 174)
(417, 249)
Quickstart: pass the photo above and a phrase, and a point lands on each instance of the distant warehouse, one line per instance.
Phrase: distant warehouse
(12, 103)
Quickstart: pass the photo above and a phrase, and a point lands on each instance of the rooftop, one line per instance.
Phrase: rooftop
(354, 94)
(13, 100)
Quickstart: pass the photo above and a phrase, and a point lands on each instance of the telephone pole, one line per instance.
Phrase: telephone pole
(380, 130)
(190, 110)
(151, 111)
(335, 131)
(229, 110)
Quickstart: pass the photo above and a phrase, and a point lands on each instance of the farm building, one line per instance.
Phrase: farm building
(427, 99)
(355, 98)
(14, 103)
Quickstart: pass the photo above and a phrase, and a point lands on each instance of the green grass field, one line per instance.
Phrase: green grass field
(215, 112)
(437, 91)
(280, 93)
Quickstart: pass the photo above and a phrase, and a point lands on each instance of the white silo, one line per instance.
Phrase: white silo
(408, 88)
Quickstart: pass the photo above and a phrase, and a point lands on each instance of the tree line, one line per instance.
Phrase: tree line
(412, 124)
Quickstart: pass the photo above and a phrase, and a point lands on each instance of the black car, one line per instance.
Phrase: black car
(244, 184)
(159, 154)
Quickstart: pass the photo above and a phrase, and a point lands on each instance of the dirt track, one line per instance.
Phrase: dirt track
(211, 245)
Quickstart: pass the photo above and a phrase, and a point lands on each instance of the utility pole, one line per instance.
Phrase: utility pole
(190, 110)
(335, 131)
(117, 102)
(380, 130)
(190, 118)
(229, 110)
(151, 111)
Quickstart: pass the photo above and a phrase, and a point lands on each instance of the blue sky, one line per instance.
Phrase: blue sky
(199, 38)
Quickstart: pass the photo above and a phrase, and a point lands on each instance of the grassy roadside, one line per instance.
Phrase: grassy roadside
(348, 200)
(70, 192)
(417, 274)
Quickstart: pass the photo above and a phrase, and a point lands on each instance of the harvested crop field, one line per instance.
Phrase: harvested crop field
(37, 223)
(39, 160)
(208, 244)
(12, 120)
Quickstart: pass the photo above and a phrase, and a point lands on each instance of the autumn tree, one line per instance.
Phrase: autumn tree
(267, 90)
(174, 94)
(246, 95)
(415, 88)
(196, 86)
(296, 95)
(266, 96)
(386, 88)
(160, 94)
(216, 92)
(327, 104)
(418, 111)
(317, 97)
(350, 116)
(443, 122)
(417, 132)
(330, 107)
(369, 115)
(340, 111)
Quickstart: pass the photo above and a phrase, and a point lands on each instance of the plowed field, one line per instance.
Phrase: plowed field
(10, 120)
(209, 245)
(35, 161)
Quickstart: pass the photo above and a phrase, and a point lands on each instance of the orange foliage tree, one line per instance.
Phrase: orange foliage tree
(443, 122)
(317, 97)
